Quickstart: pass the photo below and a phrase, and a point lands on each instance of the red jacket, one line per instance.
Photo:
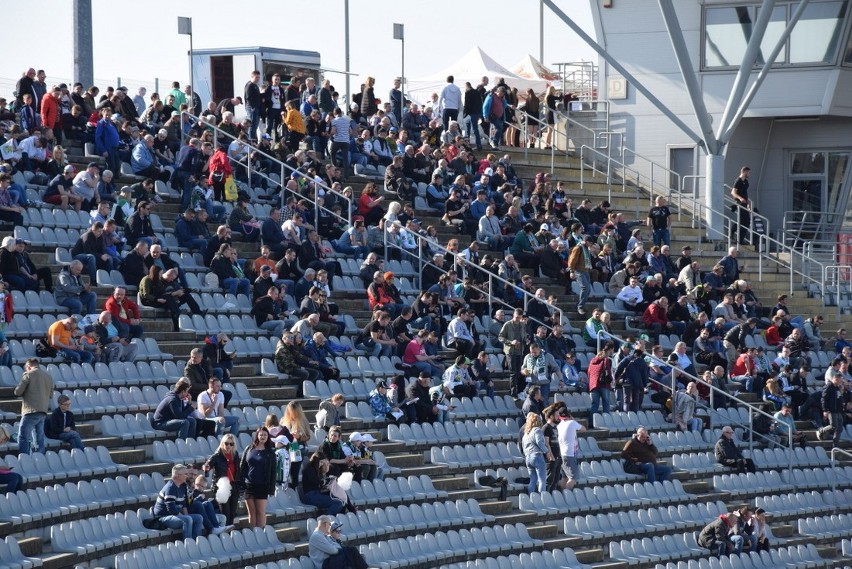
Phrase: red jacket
(131, 309)
(773, 338)
(220, 162)
(600, 373)
(655, 314)
(50, 111)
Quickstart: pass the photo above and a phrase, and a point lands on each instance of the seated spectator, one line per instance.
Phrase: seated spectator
(71, 292)
(786, 425)
(185, 232)
(317, 350)
(313, 254)
(211, 404)
(718, 536)
(416, 357)
(115, 347)
(201, 505)
(457, 382)
(163, 260)
(231, 276)
(244, 223)
(268, 313)
(10, 479)
(159, 290)
(60, 425)
(315, 486)
(640, 457)
(176, 412)
(481, 372)
(125, 314)
(91, 250)
(171, 507)
(86, 184)
(353, 241)
(290, 360)
(9, 211)
(381, 406)
(61, 337)
(534, 402)
(220, 356)
(61, 192)
(26, 269)
(727, 453)
(707, 351)
(145, 163)
(683, 408)
(631, 296)
(106, 189)
(138, 226)
(329, 411)
(314, 303)
(133, 268)
(811, 330)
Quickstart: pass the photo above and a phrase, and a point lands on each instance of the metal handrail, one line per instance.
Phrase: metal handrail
(652, 167)
(423, 240)
(542, 125)
(752, 409)
(834, 451)
(284, 168)
(827, 270)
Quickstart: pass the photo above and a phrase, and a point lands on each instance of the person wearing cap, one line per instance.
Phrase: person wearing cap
(727, 453)
(457, 381)
(381, 406)
(61, 192)
(171, 507)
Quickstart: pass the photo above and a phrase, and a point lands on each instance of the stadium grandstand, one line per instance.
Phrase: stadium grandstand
(392, 336)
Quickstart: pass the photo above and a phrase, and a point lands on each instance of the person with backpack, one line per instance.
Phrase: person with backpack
(493, 110)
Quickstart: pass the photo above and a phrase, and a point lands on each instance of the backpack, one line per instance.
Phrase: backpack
(43, 349)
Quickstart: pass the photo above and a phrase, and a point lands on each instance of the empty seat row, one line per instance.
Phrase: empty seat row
(48, 236)
(695, 462)
(251, 347)
(393, 490)
(477, 456)
(115, 399)
(235, 547)
(429, 548)
(750, 483)
(802, 503)
(367, 366)
(225, 303)
(621, 422)
(833, 526)
(484, 407)
(376, 522)
(130, 427)
(780, 457)
(644, 520)
(605, 472)
(101, 533)
(818, 478)
(597, 498)
(680, 441)
(12, 558)
(547, 559)
(192, 451)
(45, 504)
(790, 556)
(211, 324)
(356, 389)
(114, 374)
(33, 302)
(55, 217)
(655, 549)
(58, 466)
(454, 432)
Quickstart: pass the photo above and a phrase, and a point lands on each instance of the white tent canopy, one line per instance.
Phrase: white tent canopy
(531, 68)
(473, 66)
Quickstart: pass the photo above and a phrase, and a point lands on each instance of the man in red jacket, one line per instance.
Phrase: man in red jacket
(125, 314)
(50, 109)
(657, 321)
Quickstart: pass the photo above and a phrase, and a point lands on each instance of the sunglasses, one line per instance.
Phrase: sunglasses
(229, 444)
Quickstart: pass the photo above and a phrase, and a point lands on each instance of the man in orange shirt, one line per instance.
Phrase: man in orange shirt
(61, 337)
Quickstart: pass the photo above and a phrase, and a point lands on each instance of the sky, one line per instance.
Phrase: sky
(146, 45)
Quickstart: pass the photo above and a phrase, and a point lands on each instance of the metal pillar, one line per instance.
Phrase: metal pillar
(346, 49)
(83, 56)
(624, 72)
(714, 195)
(541, 32)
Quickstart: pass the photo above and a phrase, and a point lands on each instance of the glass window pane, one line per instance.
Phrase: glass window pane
(837, 162)
(816, 35)
(727, 31)
(776, 27)
(808, 163)
(807, 195)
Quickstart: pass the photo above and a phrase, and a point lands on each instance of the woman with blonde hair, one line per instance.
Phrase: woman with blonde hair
(295, 125)
(225, 464)
(535, 450)
(393, 212)
(297, 428)
(550, 118)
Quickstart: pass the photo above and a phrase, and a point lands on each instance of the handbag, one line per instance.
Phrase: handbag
(43, 349)
(231, 192)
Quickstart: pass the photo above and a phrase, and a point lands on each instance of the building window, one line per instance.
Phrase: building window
(814, 40)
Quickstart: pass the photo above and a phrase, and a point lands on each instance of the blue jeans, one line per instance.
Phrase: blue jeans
(231, 423)
(600, 397)
(737, 542)
(380, 350)
(423, 323)
(275, 326)
(489, 389)
(652, 471)
(497, 125)
(185, 428)
(204, 509)
(190, 524)
(662, 237)
(545, 390)
(331, 506)
(585, 288)
(538, 473)
(29, 423)
(73, 438)
(12, 480)
(237, 286)
(253, 115)
(427, 367)
(471, 125)
(77, 356)
(197, 244)
(85, 302)
(746, 381)
(349, 249)
(89, 265)
(343, 148)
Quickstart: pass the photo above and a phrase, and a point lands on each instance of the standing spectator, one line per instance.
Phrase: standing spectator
(658, 221)
(581, 263)
(600, 379)
(727, 453)
(224, 464)
(176, 412)
(833, 406)
(640, 457)
(513, 336)
(60, 425)
(254, 104)
(61, 337)
(535, 450)
(107, 140)
(739, 192)
(257, 473)
(125, 314)
(171, 505)
(569, 447)
(535, 370)
(450, 101)
(35, 390)
(632, 375)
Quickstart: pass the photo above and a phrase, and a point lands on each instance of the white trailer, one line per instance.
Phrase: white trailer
(222, 73)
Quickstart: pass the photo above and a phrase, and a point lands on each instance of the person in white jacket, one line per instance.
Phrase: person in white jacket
(631, 295)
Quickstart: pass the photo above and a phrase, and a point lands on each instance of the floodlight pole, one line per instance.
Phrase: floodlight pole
(399, 34)
(346, 48)
(185, 28)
